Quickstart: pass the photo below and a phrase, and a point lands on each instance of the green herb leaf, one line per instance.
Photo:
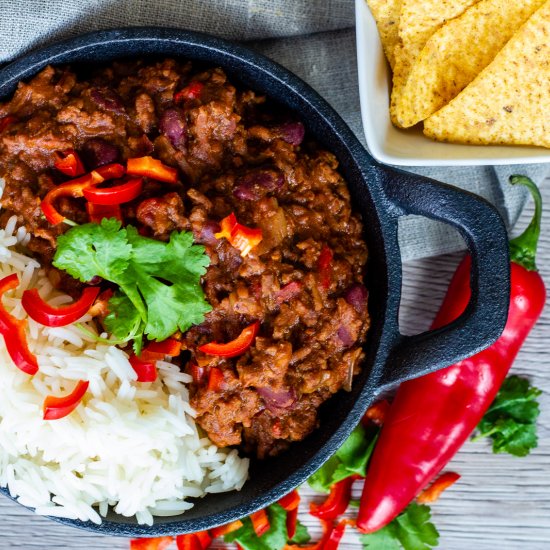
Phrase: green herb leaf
(511, 419)
(352, 458)
(274, 539)
(301, 536)
(411, 530)
(159, 282)
(94, 249)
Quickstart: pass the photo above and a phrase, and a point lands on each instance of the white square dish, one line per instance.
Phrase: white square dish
(410, 147)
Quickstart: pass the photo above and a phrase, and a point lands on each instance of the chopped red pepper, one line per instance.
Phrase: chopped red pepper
(170, 346)
(50, 316)
(225, 529)
(188, 542)
(7, 121)
(433, 492)
(215, 379)
(74, 188)
(107, 196)
(290, 501)
(335, 536)
(204, 538)
(377, 413)
(59, 407)
(146, 370)
(260, 522)
(235, 347)
(241, 237)
(13, 331)
(291, 522)
(111, 171)
(69, 163)
(157, 543)
(337, 501)
(152, 168)
(96, 212)
(192, 91)
(325, 266)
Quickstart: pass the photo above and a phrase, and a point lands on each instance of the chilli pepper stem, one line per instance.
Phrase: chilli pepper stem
(524, 247)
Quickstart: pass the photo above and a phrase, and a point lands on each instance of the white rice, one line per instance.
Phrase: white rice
(133, 446)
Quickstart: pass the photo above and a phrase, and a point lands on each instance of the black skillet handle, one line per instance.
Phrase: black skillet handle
(483, 230)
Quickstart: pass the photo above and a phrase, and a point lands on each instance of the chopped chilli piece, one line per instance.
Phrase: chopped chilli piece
(61, 316)
(241, 237)
(74, 188)
(337, 501)
(433, 492)
(151, 168)
(69, 163)
(235, 347)
(96, 212)
(59, 407)
(192, 91)
(225, 529)
(13, 331)
(260, 522)
(119, 194)
(157, 543)
(146, 370)
(325, 266)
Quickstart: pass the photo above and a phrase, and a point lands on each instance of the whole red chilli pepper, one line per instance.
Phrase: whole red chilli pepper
(432, 416)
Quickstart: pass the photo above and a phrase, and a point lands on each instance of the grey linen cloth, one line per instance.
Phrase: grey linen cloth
(313, 38)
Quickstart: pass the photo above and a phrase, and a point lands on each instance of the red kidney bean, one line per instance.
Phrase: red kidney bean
(107, 99)
(98, 152)
(357, 295)
(256, 184)
(292, 132)
(172, 124)
(277, 401)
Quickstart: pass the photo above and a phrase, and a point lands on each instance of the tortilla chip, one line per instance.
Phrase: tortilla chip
(419, 19)
(457, 53)
(386, 15)
(509, 101)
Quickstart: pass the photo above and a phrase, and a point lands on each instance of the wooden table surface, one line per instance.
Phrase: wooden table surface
(500, 502)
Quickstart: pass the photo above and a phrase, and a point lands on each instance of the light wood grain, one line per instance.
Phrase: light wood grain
(500, 502)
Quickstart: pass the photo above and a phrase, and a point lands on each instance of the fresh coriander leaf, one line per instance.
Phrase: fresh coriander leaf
(321, 480)
(301, 536)
(159, 282)
(416, 532)
(94, 249)
(123, 318)
(352, 458)
(179, 305)
(355, 453)
(411, 530)
(384, 539)
(354, 503)
(511, 419)
(274, 539)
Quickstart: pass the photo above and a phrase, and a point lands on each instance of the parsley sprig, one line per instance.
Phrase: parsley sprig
(159, 283)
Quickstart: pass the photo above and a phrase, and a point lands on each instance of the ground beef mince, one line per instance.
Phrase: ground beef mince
(235, 153)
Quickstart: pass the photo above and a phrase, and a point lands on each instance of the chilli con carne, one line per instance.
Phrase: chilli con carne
(165, 148)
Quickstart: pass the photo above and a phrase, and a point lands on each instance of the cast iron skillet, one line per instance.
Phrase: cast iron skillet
(381, 194)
